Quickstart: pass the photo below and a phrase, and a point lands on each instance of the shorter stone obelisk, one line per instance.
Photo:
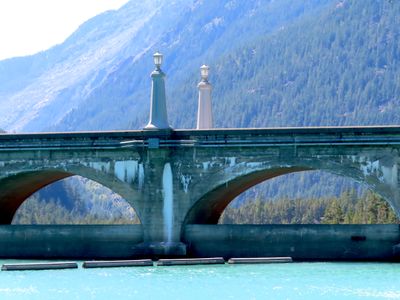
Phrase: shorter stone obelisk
(158, 105)
(204, 113)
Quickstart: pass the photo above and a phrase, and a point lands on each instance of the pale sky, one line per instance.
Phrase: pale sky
(29, 26)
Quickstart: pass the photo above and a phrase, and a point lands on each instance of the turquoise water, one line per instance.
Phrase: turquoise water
(272, 281)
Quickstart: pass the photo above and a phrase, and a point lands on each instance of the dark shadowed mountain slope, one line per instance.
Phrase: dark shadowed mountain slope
(340, 67)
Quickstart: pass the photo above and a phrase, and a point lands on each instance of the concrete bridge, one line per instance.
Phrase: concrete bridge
(175, 179)
(180, 181)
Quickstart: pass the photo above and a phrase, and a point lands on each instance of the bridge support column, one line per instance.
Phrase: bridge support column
(158, 209)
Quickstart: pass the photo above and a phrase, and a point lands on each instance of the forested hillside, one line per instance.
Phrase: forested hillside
(339, 67)
(348, 208)
(77, 201)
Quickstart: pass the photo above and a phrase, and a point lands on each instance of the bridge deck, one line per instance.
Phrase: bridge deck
(377, 135)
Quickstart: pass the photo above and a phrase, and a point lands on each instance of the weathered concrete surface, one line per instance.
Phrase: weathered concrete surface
(69, 241)
(39, 266)
(190, 261)
(259, 260)
(117, 263)
(173, 178)
(301, 242)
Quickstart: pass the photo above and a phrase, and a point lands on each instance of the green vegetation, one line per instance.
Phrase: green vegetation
(346, 209)
(51, 211)
(338, 67)
(80, 202)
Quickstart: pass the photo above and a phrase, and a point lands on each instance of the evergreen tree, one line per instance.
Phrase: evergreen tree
(348, 208)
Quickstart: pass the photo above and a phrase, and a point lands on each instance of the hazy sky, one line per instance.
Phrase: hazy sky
(29, 26)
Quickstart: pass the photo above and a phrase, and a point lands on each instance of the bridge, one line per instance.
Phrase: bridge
(179, 179)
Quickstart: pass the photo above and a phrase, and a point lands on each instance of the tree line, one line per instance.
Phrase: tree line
(348, 208)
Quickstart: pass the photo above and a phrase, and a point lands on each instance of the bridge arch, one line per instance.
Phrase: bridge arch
(16, 188)
(210, 205)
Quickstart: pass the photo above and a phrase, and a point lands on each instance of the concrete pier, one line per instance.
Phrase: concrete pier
(301, 242)
(110, 242)
(70, 241)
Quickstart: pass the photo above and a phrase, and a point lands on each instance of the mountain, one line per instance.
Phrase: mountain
(273, 63)
(39, 90)
(99, 77)
(338, 67)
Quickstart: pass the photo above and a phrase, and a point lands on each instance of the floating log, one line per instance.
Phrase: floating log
(259, 260)
(190, 261)
(118, 263)
(39, 266)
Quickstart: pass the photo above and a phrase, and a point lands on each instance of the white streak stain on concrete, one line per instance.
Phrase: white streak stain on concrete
(141, 176)
(215, 164)
(206, 165)
(168, 208)
(185, 181)
(370, 168)
(100, 166)
(126, 170)
(389, 175)
(354, 158)
(231, 161)
(254, 164)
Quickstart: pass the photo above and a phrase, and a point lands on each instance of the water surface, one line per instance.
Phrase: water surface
(271, 281)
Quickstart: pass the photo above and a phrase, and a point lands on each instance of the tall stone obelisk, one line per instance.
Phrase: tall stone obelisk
(158, 106)
(204, 113)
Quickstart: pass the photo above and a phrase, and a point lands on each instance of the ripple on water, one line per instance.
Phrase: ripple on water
(272, 281)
